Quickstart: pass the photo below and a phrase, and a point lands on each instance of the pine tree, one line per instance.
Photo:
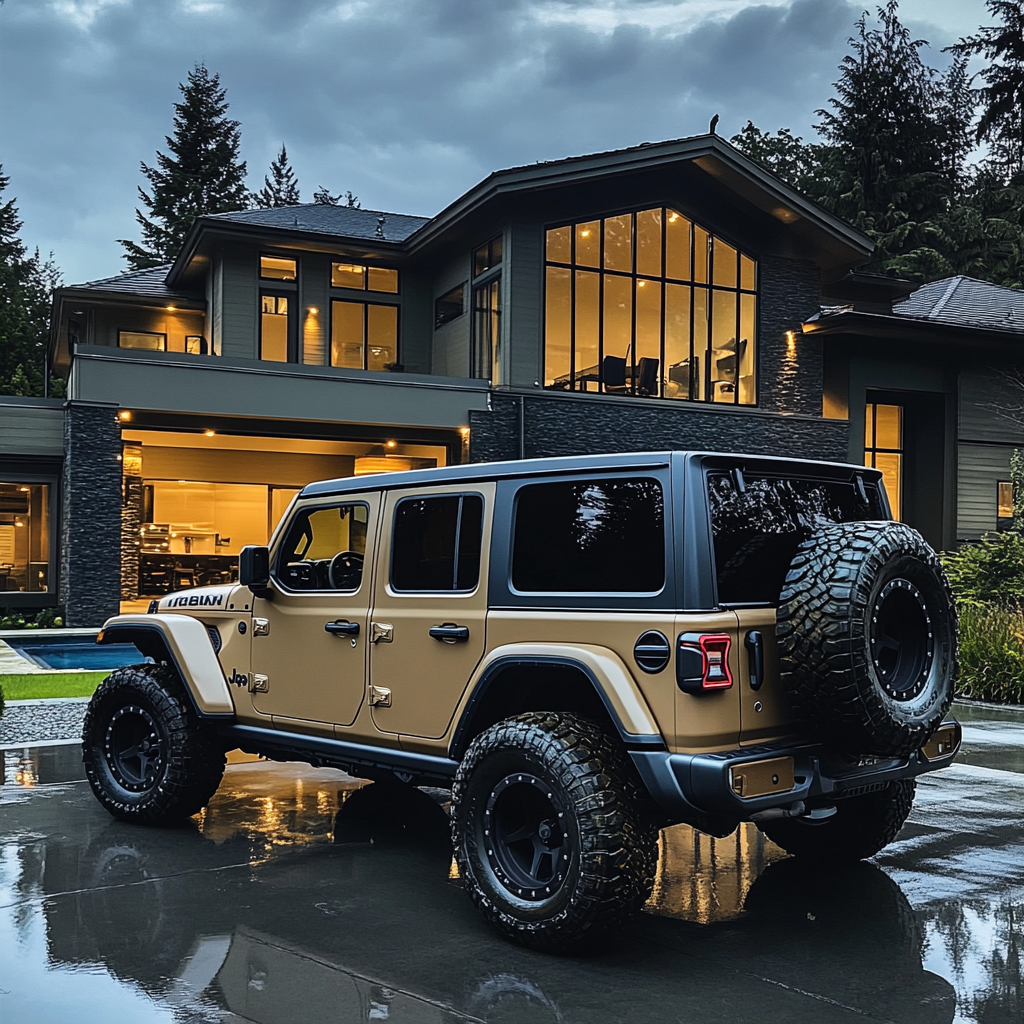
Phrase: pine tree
(280, 187)
(786, 155)
(25, 285)
(202, 174)
(1003, 94)
(323, 197)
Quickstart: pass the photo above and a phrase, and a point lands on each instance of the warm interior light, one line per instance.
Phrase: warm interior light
(208, 433)
(391, 444)
(673, 217)
(584, 234)
(171, 309)
(124, 414)
(22, 488)
(18, 522)
(463, 431)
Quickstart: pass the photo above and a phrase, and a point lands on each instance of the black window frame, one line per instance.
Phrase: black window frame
(455, 591)
(278, 553)
(366, 268)
(292, 340)
(1004, 522)
(441, 318)
(278, 256)
(494, 244)
(18, 470)
(154, 334)
(485, 350)
(365, 303)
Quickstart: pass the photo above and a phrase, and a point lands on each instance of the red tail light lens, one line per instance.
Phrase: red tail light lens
(702, 662)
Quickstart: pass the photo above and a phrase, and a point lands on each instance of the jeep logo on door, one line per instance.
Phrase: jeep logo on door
(238, 678)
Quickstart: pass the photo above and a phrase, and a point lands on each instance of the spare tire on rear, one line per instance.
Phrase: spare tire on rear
(867, 634)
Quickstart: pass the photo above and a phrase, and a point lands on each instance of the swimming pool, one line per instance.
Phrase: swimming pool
(80, 652)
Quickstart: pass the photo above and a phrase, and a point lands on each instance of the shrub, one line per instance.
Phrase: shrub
(991, 653)
(46, 618)
(988, 572)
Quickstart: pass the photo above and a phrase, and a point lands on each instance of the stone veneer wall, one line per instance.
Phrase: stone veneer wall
(90, 579)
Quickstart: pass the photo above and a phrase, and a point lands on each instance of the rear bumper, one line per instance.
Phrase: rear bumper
(695, 786)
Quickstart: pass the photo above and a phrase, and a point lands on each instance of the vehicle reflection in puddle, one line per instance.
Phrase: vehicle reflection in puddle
(303, 894)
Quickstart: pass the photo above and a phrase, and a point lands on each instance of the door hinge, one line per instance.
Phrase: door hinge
(261, 627)
(381, 632)
(380, 697)
(260, 683)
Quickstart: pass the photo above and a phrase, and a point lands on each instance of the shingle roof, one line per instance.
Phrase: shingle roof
(346, 221)
(966, 302)
(136, 282)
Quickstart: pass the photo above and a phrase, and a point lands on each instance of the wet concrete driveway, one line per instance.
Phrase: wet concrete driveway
(299, 898)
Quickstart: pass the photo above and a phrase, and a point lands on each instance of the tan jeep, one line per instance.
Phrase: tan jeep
(584, 649)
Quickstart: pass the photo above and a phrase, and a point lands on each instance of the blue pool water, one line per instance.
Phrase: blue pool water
(78, 654)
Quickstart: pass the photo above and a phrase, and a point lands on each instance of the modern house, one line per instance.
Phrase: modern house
(668, 295)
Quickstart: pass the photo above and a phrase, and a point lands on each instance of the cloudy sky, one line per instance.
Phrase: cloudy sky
(405, 102)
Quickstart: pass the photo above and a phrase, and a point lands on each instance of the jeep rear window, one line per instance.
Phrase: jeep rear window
(436, 544)
(758, 526)
(589, 536)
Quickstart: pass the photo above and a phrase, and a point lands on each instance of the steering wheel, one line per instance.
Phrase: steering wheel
(345, 571)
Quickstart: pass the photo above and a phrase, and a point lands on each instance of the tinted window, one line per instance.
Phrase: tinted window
(324, 549)
(757, 529)
(591, 536)
(437, 543)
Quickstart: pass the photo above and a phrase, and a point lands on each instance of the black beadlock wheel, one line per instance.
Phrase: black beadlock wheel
(867, 634)
(553, 832)
(147, 755)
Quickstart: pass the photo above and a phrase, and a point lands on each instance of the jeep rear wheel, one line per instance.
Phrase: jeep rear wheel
(551, 831)
(860, 828)
(147, 755)
(867, 634)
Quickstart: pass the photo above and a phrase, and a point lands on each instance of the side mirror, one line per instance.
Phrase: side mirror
(254, 567)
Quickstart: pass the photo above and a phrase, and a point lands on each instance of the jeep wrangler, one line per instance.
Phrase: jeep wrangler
(583, 649)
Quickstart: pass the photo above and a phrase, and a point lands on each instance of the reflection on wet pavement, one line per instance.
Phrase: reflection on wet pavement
(302, 895)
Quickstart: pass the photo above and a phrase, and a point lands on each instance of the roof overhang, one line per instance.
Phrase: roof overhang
(893, 327)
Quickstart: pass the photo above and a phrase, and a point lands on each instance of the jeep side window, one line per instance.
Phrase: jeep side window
(436, 543)
(324, 549)
(757, 529)
(589, 536)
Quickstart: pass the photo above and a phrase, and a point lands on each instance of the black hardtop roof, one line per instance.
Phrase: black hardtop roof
(478, 471)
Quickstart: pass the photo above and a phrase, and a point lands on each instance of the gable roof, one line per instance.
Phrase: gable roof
(321, 218)
(966, 302)
(150, 283)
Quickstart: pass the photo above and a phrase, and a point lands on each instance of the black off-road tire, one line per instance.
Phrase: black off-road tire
(148, 757)
(594, 867)
(861, 826)
(867, 634)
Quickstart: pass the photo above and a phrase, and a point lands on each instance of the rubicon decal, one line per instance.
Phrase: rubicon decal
(194, 600)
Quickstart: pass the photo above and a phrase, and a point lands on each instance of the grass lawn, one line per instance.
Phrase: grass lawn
(55, 684)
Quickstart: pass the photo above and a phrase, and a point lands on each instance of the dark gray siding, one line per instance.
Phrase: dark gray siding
(31, 426)
(555, 424)
(451, 342)
(979, 469)
(314, 328)
(90, 580)
(239, 303)
(524, 305)
(984, 395)
(416, 322)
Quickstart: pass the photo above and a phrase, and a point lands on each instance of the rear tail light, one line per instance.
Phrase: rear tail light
(702, 662)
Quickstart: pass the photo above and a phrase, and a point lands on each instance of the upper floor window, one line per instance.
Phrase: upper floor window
(487, 256)
(149, 340)
(364, 279)
(649, 304)
(364, 335)
(278, 268)
(277, 327)
(449, 306)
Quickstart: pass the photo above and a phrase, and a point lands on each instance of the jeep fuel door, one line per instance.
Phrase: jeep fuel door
(310, 631)
(430, 606)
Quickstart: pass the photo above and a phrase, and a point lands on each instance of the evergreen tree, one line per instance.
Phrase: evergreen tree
(322, 197)
(787, 156)
(201, 175)
(1003, 94)
(280, 187)
(25, 285)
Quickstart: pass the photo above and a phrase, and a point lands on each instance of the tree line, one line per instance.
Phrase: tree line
(928, 163)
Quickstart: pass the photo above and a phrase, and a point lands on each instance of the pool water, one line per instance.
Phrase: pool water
(83, 654)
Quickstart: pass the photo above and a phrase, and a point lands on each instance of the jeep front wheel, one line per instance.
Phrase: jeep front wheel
(147, 755)
(551, 832)
(860, 828)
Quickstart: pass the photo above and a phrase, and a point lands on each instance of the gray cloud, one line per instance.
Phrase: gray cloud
(405, 102)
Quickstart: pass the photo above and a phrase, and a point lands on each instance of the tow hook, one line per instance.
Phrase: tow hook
(797, 810)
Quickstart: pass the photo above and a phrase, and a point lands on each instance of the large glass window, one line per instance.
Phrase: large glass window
(363, 278)
(278, 268)
(324, 549)
(24, 537)
(486, 330)
(364, 335)
(650, 304)
(883, 449)
(276, 317)
(589, 536)
(436, 543)
(147, 340)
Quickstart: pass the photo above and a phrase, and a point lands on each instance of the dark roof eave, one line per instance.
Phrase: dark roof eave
(182, 301)
(905, 328)
(548, 175)
(215, 226)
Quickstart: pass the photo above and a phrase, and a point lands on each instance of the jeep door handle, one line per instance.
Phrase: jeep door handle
(754, 642)
(450, 633)
(342, 628)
